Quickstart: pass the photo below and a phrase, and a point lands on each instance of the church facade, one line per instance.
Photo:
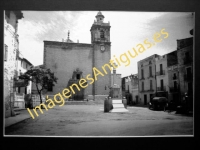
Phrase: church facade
(72, 62)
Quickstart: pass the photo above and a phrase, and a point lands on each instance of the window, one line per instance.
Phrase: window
(6, 53)
(77, 76)
(161, 84)
(174, 77)
(142, 86)
(151, 87)
(101, 34)
(161, 69)
(142, 73)
(175, 85)
(187, 55)
(149, 62)
(150, 71)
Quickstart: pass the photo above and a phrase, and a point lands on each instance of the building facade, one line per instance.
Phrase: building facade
(147, 79)
(22, 66)
(130, 88)
(185, 69)
(11, 48)
(72, 61)
(173, 77)
(116, 85)
(162, 75)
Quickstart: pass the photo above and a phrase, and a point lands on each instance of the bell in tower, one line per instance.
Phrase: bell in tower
(100, 31)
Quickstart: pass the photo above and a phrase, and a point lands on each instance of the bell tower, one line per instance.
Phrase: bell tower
(100, 39)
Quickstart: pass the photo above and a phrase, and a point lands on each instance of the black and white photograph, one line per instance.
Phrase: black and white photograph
(98, 73)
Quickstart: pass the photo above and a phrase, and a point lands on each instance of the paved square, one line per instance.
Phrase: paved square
(90, 120)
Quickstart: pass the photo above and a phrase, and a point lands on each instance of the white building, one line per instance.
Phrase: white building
(162, 74)
(22, 66)
(10, 52)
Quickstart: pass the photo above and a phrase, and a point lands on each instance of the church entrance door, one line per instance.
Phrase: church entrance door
(79, 95)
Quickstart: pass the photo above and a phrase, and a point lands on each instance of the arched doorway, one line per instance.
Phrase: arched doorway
(76, 76)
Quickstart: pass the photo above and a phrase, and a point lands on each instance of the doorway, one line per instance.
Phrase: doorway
(145, 99)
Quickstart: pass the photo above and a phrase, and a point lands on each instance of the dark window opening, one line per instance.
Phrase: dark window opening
(174, 77)
(161, 84)
(142, 72)
(151, 87)
(102, 34)
(142, 86)
(78, 76)
(150, 71)
(187, 55)
(145, 99)
(161, 69)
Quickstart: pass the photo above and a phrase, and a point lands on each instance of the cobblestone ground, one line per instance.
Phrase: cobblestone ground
(90, 120)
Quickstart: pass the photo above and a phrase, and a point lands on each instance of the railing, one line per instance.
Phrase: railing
(149, 90)
(161, 88)
(161, 72)
(151, 76)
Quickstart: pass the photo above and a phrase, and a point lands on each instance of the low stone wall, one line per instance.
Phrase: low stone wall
(98, 98)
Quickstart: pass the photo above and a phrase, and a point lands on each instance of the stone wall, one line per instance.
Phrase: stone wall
(64, 61)
(9, 64)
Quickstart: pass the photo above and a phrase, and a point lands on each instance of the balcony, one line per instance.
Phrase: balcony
(149, 90)
(188, 77)
(161, 72)
(187, 60)
(163, 88)
(151, 76)
(142, 78)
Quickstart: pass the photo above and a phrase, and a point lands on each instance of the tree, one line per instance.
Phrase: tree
(43, 78)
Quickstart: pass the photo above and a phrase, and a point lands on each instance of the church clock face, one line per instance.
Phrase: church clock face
(102, 48)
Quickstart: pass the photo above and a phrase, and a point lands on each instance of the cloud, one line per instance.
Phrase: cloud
(127, 30)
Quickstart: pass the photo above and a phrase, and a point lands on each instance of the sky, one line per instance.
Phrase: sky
(128, 28)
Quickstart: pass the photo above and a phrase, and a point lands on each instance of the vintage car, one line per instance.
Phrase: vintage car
(158, 103)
